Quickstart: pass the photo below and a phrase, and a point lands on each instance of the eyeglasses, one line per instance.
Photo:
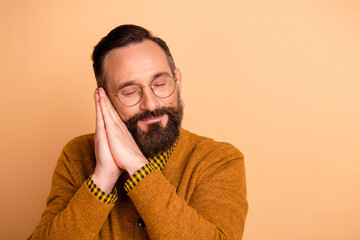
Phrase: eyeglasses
(162, 86)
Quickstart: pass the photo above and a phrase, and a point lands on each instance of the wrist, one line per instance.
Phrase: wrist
(105, 181)
(136, 166)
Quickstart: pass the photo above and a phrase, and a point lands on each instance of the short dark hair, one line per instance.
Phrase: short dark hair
(122, 36)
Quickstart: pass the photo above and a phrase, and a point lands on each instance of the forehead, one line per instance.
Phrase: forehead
(137, 62)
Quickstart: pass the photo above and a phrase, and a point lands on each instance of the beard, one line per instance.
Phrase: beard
(157, 139)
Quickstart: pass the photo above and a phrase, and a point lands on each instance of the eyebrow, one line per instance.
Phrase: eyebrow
(131, 82)
(159, 75)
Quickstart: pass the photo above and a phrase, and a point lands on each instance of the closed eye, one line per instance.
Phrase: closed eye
(129, 91)
(159, 84)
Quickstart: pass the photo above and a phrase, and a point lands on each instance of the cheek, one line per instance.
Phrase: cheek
(126, 115)
(124, 112)
(173, 100)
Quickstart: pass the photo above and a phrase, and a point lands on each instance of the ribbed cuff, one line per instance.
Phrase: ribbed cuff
(87, 210)
(152, 189)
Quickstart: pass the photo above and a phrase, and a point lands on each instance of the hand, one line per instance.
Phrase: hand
(126, 154)
(106, 171)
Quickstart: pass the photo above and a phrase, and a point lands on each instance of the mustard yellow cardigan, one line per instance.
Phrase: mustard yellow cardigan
(200, 194)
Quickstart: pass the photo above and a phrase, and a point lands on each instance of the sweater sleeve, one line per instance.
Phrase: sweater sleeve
(72, 210)
(216, 210)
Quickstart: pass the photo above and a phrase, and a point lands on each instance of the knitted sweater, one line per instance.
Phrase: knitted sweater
(200, 194)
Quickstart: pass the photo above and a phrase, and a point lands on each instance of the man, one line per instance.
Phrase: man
(141, 176)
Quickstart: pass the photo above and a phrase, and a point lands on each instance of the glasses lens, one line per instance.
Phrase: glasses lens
(130, 95)
(163, 86)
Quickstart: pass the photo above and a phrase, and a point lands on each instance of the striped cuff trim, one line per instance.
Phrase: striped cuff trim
(101, 195)
(138, 176)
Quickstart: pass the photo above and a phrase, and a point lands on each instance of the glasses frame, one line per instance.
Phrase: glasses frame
(142, 91)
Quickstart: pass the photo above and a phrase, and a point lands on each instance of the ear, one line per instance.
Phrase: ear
(178, 78)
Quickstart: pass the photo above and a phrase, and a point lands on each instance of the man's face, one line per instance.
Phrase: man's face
(139, 63)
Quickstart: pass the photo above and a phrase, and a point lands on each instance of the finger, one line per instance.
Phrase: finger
(109, 105)
(100, 126)
(106, 116)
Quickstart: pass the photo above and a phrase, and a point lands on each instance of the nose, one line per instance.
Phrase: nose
(148, 101)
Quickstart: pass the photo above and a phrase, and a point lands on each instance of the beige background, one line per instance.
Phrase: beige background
(278, 79)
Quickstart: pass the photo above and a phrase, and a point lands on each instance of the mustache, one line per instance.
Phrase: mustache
(171, 111)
